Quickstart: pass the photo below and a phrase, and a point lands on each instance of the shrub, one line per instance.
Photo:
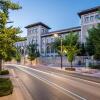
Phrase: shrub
(6, 87)
(4, 72)
(70, 69)
(94, 66)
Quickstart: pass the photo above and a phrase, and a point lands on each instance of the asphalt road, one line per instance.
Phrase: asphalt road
(47, 85)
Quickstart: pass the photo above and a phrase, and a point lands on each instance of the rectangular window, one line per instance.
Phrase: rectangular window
(42, 51)
(29, 32)
(91, 18)
(97, 16)
(35, 30)
(43, 31)
(52, 39)
(52, 50)
(86, 19)
(48, 49)
(47, 41)
(43, 41)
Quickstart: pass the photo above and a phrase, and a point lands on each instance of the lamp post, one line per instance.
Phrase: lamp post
(36, 48)
(23, 54)
(61, 50)
(61, 53)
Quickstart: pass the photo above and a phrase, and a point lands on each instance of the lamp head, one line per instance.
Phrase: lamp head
(56, 35)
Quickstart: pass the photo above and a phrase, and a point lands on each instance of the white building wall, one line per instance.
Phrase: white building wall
(48, 40)
(88, 21)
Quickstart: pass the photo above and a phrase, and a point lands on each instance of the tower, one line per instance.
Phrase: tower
(89, 18)
(34, 32)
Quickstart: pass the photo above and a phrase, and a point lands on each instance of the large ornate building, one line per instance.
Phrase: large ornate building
(39, 32)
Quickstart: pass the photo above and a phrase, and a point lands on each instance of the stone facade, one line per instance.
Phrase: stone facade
(88, 21)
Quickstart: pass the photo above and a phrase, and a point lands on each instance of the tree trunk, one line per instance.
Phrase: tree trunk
(36, 61)
(0, 64)
(31, 63)
(71, 64)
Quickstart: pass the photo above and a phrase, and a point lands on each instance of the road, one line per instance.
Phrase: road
(44, 84)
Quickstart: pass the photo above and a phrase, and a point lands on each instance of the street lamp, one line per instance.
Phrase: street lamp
(61, 50)
(23, 53)
(36, 48)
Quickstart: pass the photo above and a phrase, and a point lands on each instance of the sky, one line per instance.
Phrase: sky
(57, 14)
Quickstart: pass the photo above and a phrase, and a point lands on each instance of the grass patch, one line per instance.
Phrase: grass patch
(6, 87)
(4, 72)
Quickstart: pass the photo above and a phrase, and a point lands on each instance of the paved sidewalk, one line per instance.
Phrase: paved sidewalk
(20, 92)
(79, 70)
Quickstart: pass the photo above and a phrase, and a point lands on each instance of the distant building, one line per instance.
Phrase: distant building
(39, 32)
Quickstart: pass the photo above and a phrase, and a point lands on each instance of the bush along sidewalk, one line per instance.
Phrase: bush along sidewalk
(6, 87)
(4, 72)
(94, 66)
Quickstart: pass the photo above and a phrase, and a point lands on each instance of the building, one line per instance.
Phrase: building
(34, 33)
(89, 18)
(39, 32)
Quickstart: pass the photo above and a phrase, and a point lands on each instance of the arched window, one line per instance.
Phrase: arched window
(48, 49)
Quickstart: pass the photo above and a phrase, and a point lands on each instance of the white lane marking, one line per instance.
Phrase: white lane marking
(91, 82)
(52, 84)
(65, 76)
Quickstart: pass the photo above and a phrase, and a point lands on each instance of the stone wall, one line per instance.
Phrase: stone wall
(56, 61)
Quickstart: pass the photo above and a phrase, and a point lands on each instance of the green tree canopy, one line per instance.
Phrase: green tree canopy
(8, 35)
(33, 53)
(70, 48)
(69, 45)
(93, 42)
(71, 39)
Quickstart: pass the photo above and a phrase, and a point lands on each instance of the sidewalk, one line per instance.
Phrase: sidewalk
(20, 92)
(79, 70)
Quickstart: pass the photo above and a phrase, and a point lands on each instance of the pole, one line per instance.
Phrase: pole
(61, 53)
(36, 48)
(24, 56)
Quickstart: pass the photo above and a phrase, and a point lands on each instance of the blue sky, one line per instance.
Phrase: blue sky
(57, 14)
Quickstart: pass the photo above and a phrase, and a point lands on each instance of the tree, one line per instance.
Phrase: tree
(82, 48)
(93, 42)
(18, 55)
(8, 35)
(71, 39)
(69, 45)
(70, 48)
(70, 52)
(90, 49)
(33, 53)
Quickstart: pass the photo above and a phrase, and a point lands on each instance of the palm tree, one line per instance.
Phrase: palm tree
(70, 52)
(70, 48)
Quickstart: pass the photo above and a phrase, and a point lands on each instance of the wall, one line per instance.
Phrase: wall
(88, 21)
(56, 61)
